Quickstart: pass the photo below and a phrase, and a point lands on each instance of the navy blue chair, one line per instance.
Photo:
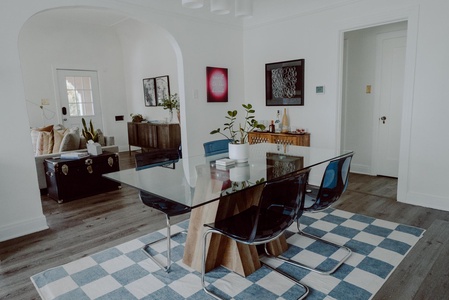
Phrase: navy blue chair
(333, 184)
(279, 206)
(160, 158)
(215, 147)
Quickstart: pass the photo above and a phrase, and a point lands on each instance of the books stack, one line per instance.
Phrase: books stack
(74, 155)
(224, 163)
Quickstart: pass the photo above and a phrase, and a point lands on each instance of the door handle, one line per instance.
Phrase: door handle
(383, 118)
(64, 110)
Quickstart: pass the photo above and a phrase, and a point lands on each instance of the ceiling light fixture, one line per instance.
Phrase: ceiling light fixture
(244, 8)
(193, 3)
(220, 7)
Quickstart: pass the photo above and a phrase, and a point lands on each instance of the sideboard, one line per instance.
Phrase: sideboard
(255, 137)
(154, 135)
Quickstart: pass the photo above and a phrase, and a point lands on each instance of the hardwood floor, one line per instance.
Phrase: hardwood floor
(86, 226)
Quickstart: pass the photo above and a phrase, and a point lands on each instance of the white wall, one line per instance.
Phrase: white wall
(196, 44)
(147, 53)
(316, 37)
(47, 43)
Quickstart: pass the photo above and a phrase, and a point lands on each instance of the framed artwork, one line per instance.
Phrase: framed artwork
(284, 83)
(217, 84)
(162, 88)
(149, 92)
(282, 164)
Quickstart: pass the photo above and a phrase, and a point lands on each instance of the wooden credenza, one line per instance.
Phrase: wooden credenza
(154, 135)
(279, 138)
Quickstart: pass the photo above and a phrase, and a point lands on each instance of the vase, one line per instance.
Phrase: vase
(239, 152)
(285, 127)
(170, 117)
(239, 173)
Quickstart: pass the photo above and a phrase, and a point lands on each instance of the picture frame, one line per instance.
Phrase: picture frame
(149, 92)
(284, 83)
(217, 84)
(162, 88)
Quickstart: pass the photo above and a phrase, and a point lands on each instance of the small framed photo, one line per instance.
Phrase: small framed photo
(284, 83)
(217, 84)
(149, 92)
(162, 88)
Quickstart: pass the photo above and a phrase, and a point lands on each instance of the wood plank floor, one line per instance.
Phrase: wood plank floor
(86, 226)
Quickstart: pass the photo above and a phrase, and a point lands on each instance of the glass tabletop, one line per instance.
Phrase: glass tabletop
(197, 180)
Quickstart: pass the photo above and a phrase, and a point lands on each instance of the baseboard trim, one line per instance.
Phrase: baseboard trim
(23, 228)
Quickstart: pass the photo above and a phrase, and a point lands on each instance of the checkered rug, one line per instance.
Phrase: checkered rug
(125, 272)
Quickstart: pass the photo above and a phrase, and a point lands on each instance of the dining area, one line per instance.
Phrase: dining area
(235, 207)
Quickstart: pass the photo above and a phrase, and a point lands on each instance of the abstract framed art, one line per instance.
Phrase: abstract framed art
(149, 92)
(155, 90)
(284, 83)
(162, 88)
(217, 84)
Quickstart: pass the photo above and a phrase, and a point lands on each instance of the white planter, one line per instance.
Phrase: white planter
(239, 152)
(239, 173)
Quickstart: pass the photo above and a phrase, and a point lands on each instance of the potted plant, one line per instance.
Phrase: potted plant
(89, 133)
(136, 118)
(238, 137)
(171, 103)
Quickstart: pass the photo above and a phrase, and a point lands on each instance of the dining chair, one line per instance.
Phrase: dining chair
(216, 147)
(279, 206)
(333, 184)
(166, 158)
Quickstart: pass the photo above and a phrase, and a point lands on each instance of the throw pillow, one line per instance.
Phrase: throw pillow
(35, 134)
(58, 135)
(71, 140)
(43, 145)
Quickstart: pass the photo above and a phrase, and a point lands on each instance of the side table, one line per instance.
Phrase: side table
(69, 179)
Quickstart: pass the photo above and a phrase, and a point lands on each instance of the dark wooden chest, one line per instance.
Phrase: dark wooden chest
(69, 179)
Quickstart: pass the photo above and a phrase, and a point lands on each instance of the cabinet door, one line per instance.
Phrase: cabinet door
(285, 139)
(169, 136)
(259, 137)
(132, 134)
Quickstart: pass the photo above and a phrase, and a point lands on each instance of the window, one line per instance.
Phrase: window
(79, 96)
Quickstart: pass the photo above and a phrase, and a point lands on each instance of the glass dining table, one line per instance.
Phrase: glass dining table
(215, 191)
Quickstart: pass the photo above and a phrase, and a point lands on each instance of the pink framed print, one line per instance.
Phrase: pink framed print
(217, 84)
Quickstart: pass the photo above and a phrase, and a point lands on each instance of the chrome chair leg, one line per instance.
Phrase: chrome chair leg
(304, 266)
(203, 271)
(169, 236)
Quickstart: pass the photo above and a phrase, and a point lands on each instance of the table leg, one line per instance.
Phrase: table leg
(240, 258)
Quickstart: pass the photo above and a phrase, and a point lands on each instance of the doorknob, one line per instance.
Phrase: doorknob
(383, 118)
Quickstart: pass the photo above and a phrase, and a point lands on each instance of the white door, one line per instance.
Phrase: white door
(79, 98)
(390, 80)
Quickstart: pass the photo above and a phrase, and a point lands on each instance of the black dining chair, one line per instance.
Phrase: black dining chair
(161, 158)
(333, 184)
(216, 147)
(279, 206)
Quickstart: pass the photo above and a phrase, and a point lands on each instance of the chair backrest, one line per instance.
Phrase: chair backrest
(279, 206)
(334, 182)
(216, 147)
(156, 157)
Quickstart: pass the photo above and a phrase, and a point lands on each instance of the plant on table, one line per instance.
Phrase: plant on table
(171, 103)
(136, 118)
(240, 135)
(89, 133)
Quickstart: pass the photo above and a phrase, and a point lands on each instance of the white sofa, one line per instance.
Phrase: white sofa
(51, 141)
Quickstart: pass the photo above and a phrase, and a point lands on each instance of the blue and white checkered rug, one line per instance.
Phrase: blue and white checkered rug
(125, 272)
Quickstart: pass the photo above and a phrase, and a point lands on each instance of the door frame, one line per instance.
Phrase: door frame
(410, 15)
